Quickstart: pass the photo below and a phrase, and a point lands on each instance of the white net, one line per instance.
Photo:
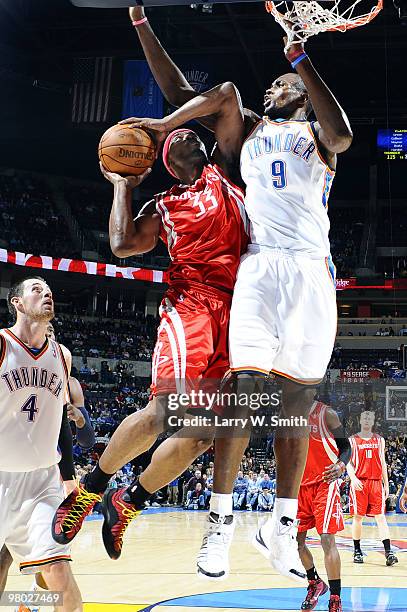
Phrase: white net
(303, 19)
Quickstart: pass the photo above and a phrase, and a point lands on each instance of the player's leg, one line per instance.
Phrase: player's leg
(316, 586)
(275, 538)
(376, 508)
(59, 577)
(356, 537)
(333, 569)
(119, 506)
(230, 444)
(5, 562)
(136, 434)
(176, 339)
(384, 535)
(306, 517)
(305, 294)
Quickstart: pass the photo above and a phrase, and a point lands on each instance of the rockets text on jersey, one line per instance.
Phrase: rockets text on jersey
(32, 394)
(323, 450)
(205, 228)
(368, 456)
(287, 187)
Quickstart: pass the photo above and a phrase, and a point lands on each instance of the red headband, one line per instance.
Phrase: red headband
(166, 148)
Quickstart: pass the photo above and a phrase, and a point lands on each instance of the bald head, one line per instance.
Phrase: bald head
(286, 96)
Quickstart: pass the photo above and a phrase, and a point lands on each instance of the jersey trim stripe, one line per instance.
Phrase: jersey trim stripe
(298, 380)
(236, 196)
(26, 348)
(250, 132)
(3, 348)
(63, 362)
(311, 129)
(167, 223)
(30, 564)
(250, 369)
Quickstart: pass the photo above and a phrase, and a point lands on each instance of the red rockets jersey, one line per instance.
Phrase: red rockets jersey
(205, 228)
(322, 446)
(367, 456)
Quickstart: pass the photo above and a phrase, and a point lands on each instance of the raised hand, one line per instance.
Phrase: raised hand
(130, 181)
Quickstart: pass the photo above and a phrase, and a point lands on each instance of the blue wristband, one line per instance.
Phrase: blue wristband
(299, 59)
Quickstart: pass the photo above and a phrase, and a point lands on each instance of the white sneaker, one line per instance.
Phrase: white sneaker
(213, 558)
(278, 543)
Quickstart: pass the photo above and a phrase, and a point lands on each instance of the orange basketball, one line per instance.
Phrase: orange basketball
(126, 151)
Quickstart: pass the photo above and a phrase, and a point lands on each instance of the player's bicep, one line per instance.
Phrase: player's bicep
(67, 357)
(147, 226)
(323, 146)
(77, 396)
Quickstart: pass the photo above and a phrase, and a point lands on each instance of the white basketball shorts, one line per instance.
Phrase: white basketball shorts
(283, 318)
(28, 501)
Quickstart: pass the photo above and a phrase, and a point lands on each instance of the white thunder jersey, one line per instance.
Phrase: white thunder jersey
(32, 395)
(288, 185)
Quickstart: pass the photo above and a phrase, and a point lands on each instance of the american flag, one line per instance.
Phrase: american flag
(91, 89)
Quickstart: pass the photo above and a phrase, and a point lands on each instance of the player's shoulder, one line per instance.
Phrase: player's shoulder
(3, 347)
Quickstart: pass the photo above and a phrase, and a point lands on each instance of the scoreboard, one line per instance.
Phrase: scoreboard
(392, 144)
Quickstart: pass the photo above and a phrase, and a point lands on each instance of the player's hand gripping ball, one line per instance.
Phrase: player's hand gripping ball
(126, 150)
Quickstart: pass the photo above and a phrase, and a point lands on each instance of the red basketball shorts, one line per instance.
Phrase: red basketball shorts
(370, 500)
(192, 339)
(319, 506)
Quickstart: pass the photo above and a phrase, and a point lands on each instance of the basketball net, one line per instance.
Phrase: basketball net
(301, 19)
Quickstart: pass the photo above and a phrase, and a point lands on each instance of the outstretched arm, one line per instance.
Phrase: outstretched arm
(333, 127)
(223, 102)
(167, 75)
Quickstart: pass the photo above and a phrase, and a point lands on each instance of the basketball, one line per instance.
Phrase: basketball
(126, 151)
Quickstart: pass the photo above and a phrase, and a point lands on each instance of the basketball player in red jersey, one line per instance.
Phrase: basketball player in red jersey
(288, 100)
(202, 222)
(369, 485)
(319, 502)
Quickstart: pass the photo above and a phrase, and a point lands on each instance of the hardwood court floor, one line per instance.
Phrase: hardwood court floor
(158, 565)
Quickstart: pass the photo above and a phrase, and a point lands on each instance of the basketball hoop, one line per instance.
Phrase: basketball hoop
(301, 19)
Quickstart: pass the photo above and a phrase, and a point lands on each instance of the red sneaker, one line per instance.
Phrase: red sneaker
(335, 604)
(316, 588)
(118, 511)
(71, 513)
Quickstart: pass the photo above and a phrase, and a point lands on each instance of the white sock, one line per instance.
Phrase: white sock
(285, 506)
(221, 503)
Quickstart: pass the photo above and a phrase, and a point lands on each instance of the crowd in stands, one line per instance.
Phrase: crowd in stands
(345, 237)
(110, 339)
(29, 220)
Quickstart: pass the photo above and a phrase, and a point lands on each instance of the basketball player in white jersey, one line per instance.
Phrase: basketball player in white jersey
(33, 379)
(284, 308)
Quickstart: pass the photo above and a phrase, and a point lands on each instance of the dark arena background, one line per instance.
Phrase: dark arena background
(66, 75)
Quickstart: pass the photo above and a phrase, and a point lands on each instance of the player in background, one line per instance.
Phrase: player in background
(34, 374)
(75, 412)
(288, 165)
(369, 485)
(202, 222)
(319, 502)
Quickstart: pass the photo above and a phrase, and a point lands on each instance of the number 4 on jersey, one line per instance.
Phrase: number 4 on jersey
(30, 406)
